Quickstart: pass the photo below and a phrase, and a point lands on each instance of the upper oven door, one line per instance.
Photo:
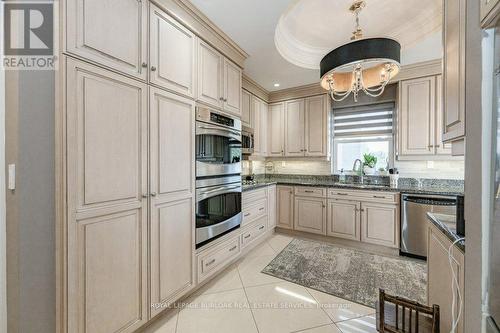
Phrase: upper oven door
(218, 150)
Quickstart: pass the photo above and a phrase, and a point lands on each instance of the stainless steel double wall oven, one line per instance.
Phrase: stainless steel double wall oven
(218, 174)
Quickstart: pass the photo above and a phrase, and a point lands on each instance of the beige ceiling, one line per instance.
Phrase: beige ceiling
(252, 24)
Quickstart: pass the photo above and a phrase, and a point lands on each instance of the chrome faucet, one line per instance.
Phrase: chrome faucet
(361, 172)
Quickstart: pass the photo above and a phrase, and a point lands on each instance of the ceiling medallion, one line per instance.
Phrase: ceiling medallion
(362, 65)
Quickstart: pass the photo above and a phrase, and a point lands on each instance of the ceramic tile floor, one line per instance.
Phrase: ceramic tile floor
(242, 299)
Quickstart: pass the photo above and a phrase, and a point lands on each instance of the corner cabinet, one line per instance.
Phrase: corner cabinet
(122, 45)
(421, 120)
(454, 80)
(219, 80)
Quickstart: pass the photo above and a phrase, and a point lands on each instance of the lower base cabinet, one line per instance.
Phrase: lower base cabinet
(271, 201)
(439, 276)
(343, 217)
(379, 224)
(284, 197)
(310, 215)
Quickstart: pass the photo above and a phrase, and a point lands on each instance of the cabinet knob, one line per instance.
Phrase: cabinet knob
(153, 194)
(430, 146)
(144, 65)
(153, 69)
(437, 146)
(221, 99)
(145, 195)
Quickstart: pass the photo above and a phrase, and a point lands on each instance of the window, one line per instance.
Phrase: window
(363, 130)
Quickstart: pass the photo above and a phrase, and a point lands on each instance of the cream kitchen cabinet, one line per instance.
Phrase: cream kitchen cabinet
(420, 119)
(259, 109)
(246, 114)
(294, 127)
(380, 224)
(343, 217)
(310, 214)
(284, 198)
(172, 54)
(439, 276)
(489, 10)
(454, 78)
(276, 130)
(271, 201)
(107, 219)
(114, 35)
(316, 126)
(219, 80)
(172, 198)
(306, 127)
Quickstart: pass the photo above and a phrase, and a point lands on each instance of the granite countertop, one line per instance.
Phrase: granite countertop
(446, 223)
(448, 190)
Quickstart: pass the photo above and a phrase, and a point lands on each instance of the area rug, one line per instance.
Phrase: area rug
(348, 273)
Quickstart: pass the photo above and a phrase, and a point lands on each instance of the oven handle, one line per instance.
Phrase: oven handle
(221, 131)
(216, 191)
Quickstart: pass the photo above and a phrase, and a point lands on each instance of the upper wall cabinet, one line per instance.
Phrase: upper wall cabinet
(316, 126)
(420, 119)
(276, 130)
(121, 45)
(219, 80)
(172, 54)
(454, 69)
(259, 110)
(294, 127)
(246, 114)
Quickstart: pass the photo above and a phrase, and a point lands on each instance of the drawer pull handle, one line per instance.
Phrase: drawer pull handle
(261, 208)
(211, 262)
(261, 227)
(308, 191)
(233, 248)
(379, 196)
(247, 214)
(248, 236)
(342, 193)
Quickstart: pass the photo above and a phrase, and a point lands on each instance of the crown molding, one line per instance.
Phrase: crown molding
(191, 17)
(296, 92)
(254, 88)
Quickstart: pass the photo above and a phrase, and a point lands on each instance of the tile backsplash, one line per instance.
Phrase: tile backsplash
(412, 169)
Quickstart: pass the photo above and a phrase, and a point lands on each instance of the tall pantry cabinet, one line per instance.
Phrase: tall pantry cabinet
(127, 128)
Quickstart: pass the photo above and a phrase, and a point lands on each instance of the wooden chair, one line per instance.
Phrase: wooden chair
(399, 315)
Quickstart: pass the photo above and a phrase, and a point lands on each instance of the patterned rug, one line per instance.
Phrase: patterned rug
(348, 273)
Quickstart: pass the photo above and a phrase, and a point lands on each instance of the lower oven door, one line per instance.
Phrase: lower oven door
(218, 210)
(218, 150)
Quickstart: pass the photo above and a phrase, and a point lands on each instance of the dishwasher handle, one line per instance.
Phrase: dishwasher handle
(431, 201)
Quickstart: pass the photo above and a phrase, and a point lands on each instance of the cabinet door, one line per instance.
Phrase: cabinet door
(255, 110)
(316, 126)
(294, 128)
(232, 88)
(310, 215)
(172, 196)
(271, 201)
(276, 123)
(264, 108)
(285, 207)
(209, 75)
(488, 12)
(417, 114)
(107, 214)
(113, 34)
(246, 115)
(454, 69)
(441, 148)
(380, 224)
(343, 219)
(172, 53)
(439, 277)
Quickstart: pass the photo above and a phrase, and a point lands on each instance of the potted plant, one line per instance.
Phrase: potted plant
(369, 161)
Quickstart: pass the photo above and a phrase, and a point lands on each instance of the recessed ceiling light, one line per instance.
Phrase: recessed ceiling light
(276, 85)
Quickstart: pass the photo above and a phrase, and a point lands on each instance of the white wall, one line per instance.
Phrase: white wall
(3, 278)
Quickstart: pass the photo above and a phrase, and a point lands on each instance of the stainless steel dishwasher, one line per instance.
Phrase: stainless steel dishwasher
(414, 220)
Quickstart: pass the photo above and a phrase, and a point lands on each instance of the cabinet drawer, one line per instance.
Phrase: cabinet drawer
(255, 211)
(249, 197)
(310, 192)
(371, 196)
(253, 233)
(210, 263)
